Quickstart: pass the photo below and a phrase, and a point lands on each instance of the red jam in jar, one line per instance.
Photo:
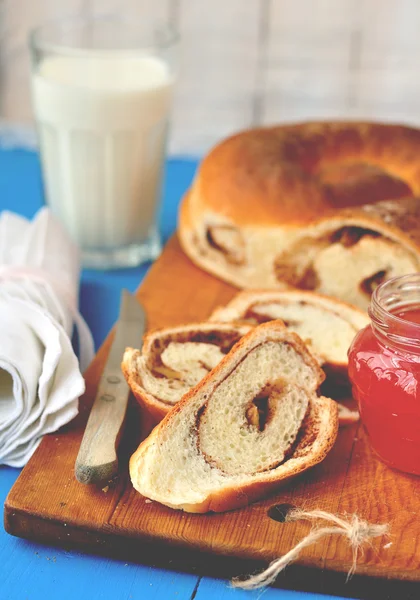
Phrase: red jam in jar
(384, 369)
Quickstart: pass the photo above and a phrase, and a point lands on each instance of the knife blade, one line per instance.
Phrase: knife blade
(97, 460)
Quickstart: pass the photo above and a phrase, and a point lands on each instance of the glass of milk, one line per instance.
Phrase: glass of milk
(102, 92)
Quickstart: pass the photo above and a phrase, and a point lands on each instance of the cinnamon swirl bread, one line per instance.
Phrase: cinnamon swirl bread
(327, 207)
(252, 423)
(175, 359)
(326, 325)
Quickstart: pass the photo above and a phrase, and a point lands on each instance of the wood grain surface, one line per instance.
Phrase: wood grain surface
(48, 504)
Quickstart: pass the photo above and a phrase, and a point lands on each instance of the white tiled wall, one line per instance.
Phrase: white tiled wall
(247, 62)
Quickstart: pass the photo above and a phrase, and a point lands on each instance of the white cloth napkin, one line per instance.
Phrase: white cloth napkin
(40, 375)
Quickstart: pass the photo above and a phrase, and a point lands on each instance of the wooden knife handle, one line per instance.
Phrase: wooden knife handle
(97, 461)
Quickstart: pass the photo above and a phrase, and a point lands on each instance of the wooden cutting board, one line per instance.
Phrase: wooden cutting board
(48, 504)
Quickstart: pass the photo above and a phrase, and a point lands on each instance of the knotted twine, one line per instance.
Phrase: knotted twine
(357, 532)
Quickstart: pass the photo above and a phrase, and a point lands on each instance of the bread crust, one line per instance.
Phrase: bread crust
(324, 423)
(267, 175)
(154, 407)
(273, 188)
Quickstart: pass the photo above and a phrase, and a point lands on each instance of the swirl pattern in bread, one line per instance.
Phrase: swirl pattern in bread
(252, 423)
(175, 359)
(325, 324)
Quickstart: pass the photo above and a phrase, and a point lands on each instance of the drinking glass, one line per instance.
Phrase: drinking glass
(102, 90)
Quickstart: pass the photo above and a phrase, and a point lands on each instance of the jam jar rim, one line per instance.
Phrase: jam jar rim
(383, 319)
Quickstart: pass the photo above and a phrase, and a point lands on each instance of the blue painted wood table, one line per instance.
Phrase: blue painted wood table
(30, 571)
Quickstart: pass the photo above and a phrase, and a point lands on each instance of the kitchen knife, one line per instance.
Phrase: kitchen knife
(97, 461)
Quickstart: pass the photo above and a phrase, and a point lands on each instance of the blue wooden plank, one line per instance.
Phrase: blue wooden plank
(36, 572)
(20, 182)
(222, 590)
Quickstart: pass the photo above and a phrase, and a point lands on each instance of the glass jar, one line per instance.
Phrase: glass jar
(384, 369)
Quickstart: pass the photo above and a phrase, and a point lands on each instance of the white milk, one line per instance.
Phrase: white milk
(102, 124)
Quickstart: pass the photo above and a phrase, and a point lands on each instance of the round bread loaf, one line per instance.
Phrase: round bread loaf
(328, 207)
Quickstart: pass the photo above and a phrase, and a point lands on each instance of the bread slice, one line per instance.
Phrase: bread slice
(175, 359)
(252, 423)
(326, 325)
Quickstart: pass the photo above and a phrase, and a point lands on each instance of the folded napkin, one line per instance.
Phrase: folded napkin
(40, 375)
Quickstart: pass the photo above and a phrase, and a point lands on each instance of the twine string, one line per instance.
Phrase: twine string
(355, 530)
